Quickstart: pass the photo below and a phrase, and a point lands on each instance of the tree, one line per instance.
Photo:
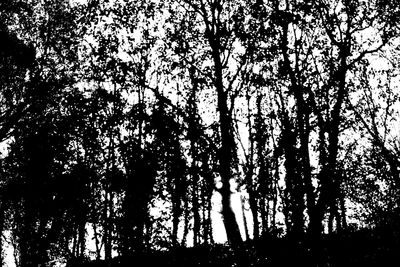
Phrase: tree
(318, 83)
(375, 112)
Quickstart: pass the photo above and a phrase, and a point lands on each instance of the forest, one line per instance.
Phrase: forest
(128, 129)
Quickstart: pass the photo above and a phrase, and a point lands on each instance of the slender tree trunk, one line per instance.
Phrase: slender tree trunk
(294, 187)
(193, 137)
(275, 201)
(254, 213)
(195, 207)
(82, 239)
(227, 151)
(107, 228)
(246, 227)
(275, 192)
(74, 244)
(107, 213)
(331, 218)
(209, 222)
(264, 216)
(263, 178)
(251, 184)
(304, 134)
(195, 190)
(185, 223)
(176, 210)
(343, 213)
(96, 241)
(1, 233)
(206, 215)
(109, 196)
(339, 226)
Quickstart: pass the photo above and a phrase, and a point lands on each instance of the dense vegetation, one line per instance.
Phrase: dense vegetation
(125, 125)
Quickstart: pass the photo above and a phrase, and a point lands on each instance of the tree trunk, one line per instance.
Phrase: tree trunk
(96, 241)
(227, 151)
(176, 211)
(275, 191)
(195, 208)
(82, 239)
(343, 213)
(1, 233)
(246, 227)
(254, 213)
(209, 229)
(328, 176)
(294, 187)
(107, 228)
(185, 223)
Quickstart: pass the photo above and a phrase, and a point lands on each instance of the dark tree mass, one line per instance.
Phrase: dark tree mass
(199, 133)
